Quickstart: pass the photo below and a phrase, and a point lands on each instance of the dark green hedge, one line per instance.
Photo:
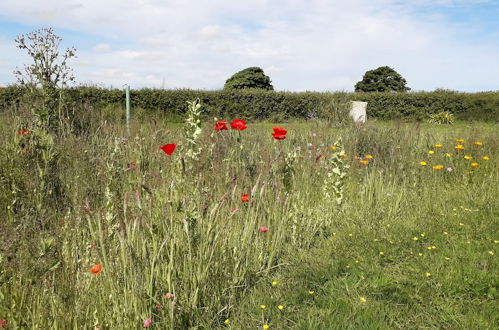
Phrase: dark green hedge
(259, 104)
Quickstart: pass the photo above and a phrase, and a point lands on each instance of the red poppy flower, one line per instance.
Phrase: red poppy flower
(3, 323)
(23, 132)
(263, 229)
(279, 133)
(96, 269)
(245, 198)
(238, 124)
(168, 148)
(220, 125)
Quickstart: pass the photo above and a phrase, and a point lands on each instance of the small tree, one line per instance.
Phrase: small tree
(382, 79)
(46, 76)
(252, 77)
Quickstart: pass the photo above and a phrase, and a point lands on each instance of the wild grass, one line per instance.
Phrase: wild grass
(162, 227)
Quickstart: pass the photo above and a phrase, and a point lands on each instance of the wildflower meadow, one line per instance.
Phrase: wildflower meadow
(227, 223)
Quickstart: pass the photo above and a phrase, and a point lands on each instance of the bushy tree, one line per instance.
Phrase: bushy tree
(382, 79)
(252, 77)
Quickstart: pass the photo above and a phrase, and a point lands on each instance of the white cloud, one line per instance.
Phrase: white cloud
(304, 45)
(102, 48)
(209, 32)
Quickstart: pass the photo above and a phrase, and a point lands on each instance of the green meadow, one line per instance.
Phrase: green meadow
(351, 227)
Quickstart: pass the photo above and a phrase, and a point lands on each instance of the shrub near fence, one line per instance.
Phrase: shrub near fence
(259, 104)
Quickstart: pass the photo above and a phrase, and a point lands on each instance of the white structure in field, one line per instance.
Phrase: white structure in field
(358, 111)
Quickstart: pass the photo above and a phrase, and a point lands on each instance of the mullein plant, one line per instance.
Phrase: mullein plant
(288, 170)
(192, 131)
(334, 180)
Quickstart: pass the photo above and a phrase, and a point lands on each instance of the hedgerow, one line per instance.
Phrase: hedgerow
(270, 105)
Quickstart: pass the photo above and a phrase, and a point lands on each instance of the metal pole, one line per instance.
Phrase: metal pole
(127, 92)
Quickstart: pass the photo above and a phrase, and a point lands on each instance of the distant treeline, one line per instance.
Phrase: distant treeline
(260, 104)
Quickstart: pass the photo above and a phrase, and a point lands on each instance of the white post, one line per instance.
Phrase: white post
(358, 111)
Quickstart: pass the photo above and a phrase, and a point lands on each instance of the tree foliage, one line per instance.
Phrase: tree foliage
(252, 77)
(382, 79)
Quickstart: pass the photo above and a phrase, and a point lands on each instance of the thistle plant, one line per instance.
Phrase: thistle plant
(46, 78)
(334, 180)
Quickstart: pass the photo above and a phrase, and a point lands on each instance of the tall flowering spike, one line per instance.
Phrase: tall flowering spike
(238, 124)
(279, 133)
(221, 125)
(192, 132)
(245, 198)
(336, 176)
(96, 269)
(168, 148)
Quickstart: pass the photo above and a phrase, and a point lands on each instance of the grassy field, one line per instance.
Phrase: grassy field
(344, 227)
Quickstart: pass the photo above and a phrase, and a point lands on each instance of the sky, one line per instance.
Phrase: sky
(312, 45)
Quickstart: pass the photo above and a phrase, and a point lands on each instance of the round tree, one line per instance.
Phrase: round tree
(382, 79)
(252, 77)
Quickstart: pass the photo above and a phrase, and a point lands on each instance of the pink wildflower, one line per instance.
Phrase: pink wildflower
(147, 322)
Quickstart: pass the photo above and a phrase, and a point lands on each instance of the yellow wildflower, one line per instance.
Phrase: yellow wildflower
(420, 254)
(459, 147)
(368, 157)
(448, 154)
(478, 144)
(422, 163)
(491, 253)
(363, 162)
(311, 292)
(265, 326)
(475, 165)
(438, 146)
(381, 253)
(467, 157)
(263, 306)
(485, 158)
(438, 167)
(280, 307)
(227, 321)
(334, 148)
(414, 238)
(428, 274)
(459, 140)
(362, 299)
(431, 152)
